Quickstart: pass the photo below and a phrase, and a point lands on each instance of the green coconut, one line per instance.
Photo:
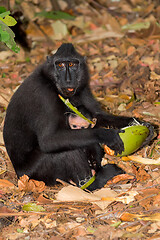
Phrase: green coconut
(133, 137)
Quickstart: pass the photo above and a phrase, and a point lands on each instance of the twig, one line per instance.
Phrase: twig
(5, 214)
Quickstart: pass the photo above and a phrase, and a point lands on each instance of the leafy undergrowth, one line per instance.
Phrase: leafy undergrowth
(125, 78)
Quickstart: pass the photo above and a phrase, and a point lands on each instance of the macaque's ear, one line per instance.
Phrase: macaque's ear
(94, 120)
(85, 59)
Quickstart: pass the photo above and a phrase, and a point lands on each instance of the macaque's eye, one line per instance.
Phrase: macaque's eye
(74, 126)
(71, 64)
(84, 127)
(61, 64)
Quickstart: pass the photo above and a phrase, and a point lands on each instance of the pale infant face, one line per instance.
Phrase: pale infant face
(76, 122)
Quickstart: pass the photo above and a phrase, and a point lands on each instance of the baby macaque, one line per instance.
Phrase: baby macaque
(76, 122)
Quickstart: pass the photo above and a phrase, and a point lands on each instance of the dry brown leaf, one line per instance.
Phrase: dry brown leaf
(142, 160)
(126, 198)
(5, 54)
(34, 32)
(99, 34)
(44, 200)
(1, 138)
(154, 227)
(49, 223)
(125, 97)
(156, 200)
(71, 193)
(121, 177)
(111, 196)
(6, 184)
(101, 198)
(5, 95)
(130, 50)
(137, 114)
(153, 32)
(150, 191)
(129, 105)
(60, 30)
(105, 192)
(129, 217)
(95, 76)
(146, 197)
(24, 184)
(79, 232)
(154, 76)
(105, 200)
(32, 220)
(142, 175)
(137, 41)
(108, 150)
(4, 209)
(148, 10)
(28, 10)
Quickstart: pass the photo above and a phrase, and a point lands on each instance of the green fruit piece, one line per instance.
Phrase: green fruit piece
(133, 137)
(32, 207)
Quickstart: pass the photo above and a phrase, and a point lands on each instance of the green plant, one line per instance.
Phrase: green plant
(6, 34)
(55, 15)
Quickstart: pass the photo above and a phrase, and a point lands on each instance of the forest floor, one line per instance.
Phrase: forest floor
(125, 78)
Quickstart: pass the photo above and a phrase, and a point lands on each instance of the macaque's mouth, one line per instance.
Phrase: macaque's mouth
(68, 92)
(70, 89)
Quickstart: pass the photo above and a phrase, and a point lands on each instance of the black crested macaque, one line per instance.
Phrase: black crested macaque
(38, 140)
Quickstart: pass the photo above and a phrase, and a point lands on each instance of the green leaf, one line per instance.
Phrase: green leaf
(12, 45)
(2, 9)
(4, 27)
(116, 224)
(20, 230)
(9, 42)
(55, 15)
(4, 36)
(91, 229)
(27, 59)
(4, 14)
(3, 75)
(136, 26)
(33, 207)
(9, 21)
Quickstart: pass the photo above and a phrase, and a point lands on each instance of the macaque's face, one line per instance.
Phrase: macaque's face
(76, 122)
